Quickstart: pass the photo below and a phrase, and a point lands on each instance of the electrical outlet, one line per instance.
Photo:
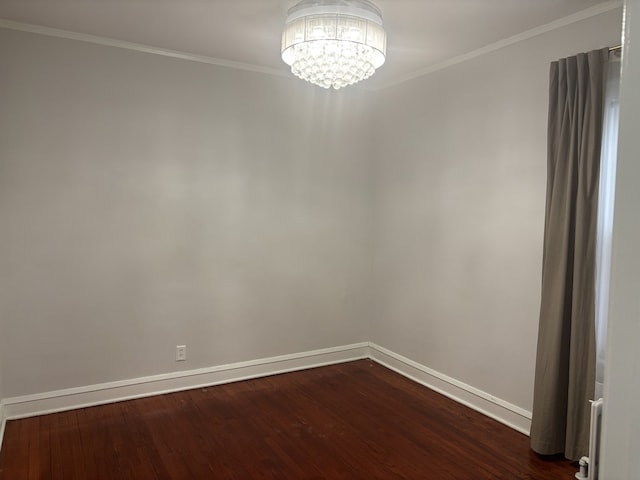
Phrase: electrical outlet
(181, 353)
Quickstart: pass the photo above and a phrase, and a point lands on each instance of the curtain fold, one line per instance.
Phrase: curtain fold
(565, 362)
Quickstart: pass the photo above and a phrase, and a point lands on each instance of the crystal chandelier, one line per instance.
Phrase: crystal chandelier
(334, 43)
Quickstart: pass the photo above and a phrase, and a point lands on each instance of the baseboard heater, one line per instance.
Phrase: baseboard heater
(589, 466)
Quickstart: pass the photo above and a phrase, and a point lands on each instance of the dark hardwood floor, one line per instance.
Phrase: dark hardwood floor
(356, 420)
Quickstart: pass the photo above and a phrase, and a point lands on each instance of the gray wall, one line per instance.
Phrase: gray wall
(147, 202)
(460, 191)
(621, 428)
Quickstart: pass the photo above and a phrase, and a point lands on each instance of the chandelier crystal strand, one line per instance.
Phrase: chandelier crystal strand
(334, 43)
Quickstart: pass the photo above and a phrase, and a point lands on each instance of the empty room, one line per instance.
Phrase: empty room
(319, 239)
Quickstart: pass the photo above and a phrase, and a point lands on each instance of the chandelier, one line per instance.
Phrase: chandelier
(334, 43)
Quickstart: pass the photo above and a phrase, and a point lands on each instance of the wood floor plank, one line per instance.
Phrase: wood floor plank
(356, 420)
(96, 445)
(38, 448)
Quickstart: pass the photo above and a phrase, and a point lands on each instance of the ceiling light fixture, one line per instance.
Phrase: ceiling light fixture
(334, 43)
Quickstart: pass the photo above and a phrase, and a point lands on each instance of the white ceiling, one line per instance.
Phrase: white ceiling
(421, 33)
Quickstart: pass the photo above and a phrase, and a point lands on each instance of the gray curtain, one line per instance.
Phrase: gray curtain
(565, 362)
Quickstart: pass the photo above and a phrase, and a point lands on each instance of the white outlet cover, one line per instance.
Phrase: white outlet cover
(181, 353)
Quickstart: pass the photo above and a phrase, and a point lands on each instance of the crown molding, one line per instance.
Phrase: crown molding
(492, 47)
(534, 32)
(138, 47)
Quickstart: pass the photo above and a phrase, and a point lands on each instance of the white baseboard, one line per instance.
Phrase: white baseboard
(3, 422)
(504, 412)
(72, 398)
